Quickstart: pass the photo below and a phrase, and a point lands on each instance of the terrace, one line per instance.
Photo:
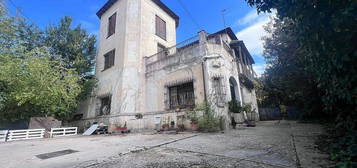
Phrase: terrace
(187, 51)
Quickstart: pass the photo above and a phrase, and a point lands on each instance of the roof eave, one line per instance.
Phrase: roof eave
(157, 2)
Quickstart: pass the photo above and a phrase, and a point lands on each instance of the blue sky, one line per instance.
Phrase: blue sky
(208, 14)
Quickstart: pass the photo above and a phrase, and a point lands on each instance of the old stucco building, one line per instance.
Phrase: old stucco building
(141, 70)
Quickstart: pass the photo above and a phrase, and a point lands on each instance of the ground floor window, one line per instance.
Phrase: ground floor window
(105, 105)
(182, 96)
(219, 90)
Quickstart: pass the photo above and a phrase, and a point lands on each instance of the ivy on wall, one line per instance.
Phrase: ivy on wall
(246, 82)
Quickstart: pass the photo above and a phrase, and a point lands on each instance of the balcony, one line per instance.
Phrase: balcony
(184, 52)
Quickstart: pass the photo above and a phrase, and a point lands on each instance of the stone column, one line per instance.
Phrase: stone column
(202, 36)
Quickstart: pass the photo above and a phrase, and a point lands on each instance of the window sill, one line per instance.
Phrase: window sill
(188, 107)
(161, 37)
(103, 116)
(107, 69)
(110, 35)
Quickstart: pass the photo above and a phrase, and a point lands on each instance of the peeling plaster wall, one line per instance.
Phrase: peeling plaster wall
(251, 98)
(133, 40)
(157, 89)
(137, 86)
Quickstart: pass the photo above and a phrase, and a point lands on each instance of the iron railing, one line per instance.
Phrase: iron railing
(166, 53)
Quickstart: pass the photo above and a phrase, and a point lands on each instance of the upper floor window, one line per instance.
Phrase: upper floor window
(160, 28)
(109, 59)
(162, 51)
(111, 24)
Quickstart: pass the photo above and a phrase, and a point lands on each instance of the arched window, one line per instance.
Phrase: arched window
(234, 89)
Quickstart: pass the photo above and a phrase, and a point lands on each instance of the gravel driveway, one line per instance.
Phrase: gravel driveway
(271, 144)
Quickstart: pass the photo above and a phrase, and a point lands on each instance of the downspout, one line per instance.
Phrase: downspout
(204, 80)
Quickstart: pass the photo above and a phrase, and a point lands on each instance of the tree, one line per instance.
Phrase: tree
(325, 31)
(76, 48)
(325, 34)
(286, 82)
(32, 83)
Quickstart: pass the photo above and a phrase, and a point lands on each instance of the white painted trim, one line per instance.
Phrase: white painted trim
(58, 132)
(15, 135)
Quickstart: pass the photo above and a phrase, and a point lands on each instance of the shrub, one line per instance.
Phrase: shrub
(209, 122)
(235, 107)
(246, 82)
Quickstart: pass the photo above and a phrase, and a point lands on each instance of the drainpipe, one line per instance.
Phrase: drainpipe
(204, 79)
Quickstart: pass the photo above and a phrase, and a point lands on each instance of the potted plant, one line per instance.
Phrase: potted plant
(236, 111)
(181, 127)
(194, 123)
(165, 127)
(250, 114)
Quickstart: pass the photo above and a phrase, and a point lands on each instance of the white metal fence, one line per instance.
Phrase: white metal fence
(15, 135)
(3, 135)
(56, 132)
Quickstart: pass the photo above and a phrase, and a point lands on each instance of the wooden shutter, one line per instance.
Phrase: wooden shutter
(106, 61)
(160, 27)
(112, 58)
(112, 24)
(109, 59)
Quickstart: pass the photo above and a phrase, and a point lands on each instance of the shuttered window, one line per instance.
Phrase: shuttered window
(162, 51)
(109, 59)
(219, 91)
(111, 24)
(160, 28)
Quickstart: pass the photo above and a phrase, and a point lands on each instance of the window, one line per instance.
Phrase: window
(182, 96)
(105, 104)
(109, 59)
(217, 39)
(111, 24)
(160, 28)
(162, 52)
(219, 90)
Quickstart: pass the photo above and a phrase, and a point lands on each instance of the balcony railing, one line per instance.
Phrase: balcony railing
(174, 50)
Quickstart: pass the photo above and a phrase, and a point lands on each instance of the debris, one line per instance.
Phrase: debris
(91, 130)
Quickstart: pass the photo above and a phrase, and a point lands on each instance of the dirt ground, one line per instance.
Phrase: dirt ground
(271, 144)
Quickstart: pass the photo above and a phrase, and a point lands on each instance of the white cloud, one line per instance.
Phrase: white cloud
(259, 69)
(252, 36)
(251, 18)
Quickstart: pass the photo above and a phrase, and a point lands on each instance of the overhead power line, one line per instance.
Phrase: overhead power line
(190, 15)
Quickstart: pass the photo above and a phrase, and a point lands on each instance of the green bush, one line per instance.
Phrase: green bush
(235, 107)
(343, 148)
(246, 82)
(209, 122)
